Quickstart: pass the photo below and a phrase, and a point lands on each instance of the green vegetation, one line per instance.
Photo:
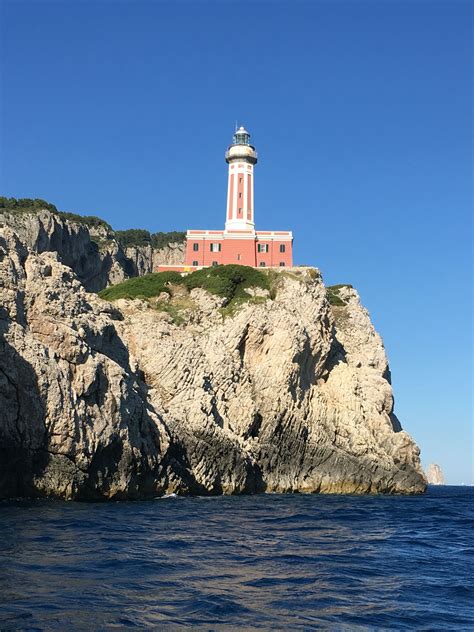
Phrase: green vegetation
(333, 294)
(140, 237)
(103, 243)
(172, 310)
(28, 205)
(145, 286)
(25, 205)
(229, 282)
(176, 305)
(231, 308)
(91, 221)
(131, 237)
(160, 240)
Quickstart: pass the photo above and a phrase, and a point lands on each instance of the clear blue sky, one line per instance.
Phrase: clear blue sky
(360, 111)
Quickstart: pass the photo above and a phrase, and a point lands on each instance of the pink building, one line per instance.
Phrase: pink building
(239, 242)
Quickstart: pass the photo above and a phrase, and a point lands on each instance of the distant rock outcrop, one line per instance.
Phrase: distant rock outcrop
(284, 393)
(93, 252)
(434, 475)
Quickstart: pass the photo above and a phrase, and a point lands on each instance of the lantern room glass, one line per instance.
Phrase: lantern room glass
(241, 138)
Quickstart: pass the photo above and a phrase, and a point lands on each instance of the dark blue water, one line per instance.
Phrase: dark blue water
(257, 562)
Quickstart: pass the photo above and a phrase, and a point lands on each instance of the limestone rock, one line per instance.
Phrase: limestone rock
(92, 252)
(434, 475)
(146, 259)
(172, 254)
(138, 398)
(285, 395)
(75, 420)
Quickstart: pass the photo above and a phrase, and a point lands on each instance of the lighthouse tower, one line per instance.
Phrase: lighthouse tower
(239, 242)
(241, 158)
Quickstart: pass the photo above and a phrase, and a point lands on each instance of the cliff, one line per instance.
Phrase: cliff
(187, 392)
(93, 252)
(434, 475)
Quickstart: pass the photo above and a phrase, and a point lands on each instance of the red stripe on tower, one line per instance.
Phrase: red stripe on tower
(240, 196)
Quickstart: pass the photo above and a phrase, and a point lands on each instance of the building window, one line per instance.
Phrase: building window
(282, 248)
(262, 248)
(215, 247)
(282, 264)
(195, 247)
(196, 263)
(215, 263)
(240, 179)
(238, 257)
(240, 195)
(262, 264)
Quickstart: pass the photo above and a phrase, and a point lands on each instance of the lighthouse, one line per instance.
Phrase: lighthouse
(241, 158)
(239, 242)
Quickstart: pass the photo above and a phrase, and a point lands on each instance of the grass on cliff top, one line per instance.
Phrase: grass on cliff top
(229, 282)
(333, 294)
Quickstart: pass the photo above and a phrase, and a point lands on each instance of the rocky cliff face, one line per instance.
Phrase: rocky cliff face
(75, 419)
(179, 395)
(434, 475)
(93, 253)
(146, 259)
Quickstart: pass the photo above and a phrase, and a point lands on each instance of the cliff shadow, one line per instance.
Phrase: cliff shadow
(23, 453)
(337, 355)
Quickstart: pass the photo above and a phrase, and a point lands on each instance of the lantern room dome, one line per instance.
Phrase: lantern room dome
(241, 149)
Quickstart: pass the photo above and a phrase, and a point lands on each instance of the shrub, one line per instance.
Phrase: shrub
(133, 237)
(226, 281)
(25, 205)
(144, 286)
(140, 237)
(91, 221)
(333, 294)
(160, 240)
(29, 205)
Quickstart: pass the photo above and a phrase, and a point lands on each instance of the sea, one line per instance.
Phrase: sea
(263, 562)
